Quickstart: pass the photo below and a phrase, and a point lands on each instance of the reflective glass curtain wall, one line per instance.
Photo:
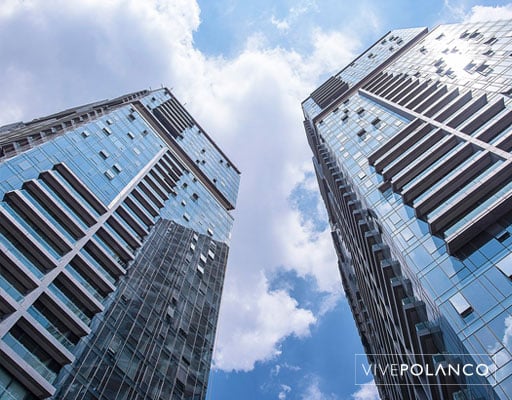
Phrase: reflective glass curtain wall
(114, 230)
(411, 146)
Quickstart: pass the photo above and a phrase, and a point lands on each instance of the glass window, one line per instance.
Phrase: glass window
(460, 304)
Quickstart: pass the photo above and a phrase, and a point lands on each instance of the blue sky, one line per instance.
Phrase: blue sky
(242, 68)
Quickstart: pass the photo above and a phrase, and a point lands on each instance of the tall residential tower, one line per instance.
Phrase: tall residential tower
(412, 149)
(114, 232)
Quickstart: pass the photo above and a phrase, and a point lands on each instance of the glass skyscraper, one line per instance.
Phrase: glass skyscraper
(114, 233)
(412, 149)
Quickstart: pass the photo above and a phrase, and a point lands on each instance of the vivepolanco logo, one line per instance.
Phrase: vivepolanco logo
(462, 367)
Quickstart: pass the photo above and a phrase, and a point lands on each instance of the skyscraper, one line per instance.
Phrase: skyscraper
(412, 150)
(114, 233)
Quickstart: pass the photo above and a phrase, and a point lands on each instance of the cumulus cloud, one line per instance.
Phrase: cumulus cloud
(367, 391)
(328, 55)
(307, 252)
(489, 13)
(258, 320)
(459, 11)
(69, 53)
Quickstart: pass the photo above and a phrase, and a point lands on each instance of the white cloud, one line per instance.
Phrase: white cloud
(278, 367)
(280, 24)
(8, 7)
(367, 391)
(330, 301)
(307, 251)
(328, 55)
(68, 53)
(456, 9)
(313, 391)
(285, 389)
(258, 320)
(488, 13)
(275, 370)
(294, 14)
(83, 51)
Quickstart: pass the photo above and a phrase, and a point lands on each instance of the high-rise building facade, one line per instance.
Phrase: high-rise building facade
(412, 149)
(114, 233)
